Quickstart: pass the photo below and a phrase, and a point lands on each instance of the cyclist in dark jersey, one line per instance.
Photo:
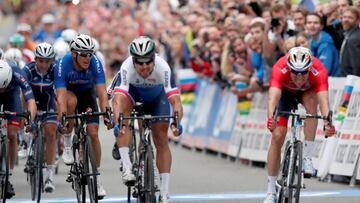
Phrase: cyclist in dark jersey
(40, 74)
(12, 81)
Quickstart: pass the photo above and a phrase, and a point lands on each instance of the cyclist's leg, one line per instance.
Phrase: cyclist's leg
(161, 107)
(67, 155)
(277, 140)
(12, 103)
(50, 145)
(310, 103)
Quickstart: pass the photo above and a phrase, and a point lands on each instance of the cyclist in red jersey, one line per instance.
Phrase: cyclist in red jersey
(296, 78)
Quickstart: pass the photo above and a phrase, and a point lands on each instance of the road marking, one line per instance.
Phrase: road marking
(212, 197)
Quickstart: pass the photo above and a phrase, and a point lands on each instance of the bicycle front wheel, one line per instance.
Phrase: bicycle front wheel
(36, 174)
(90, 170)
(149, 179)
(297, 175)
(4, 169)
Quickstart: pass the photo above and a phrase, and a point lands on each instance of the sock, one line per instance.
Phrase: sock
(308, 148)
(164, 183)
(50, 172)
(67, 140)
(271, 184)
(98, 177)
(124, 154)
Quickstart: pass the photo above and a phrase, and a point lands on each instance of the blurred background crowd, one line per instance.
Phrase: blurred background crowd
(233, 42)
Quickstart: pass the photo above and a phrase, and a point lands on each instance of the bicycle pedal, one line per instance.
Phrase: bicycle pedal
(130, 183)
(307, 175)
(69, 179)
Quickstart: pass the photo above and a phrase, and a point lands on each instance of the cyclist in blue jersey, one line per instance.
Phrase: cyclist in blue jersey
(40, 74)
(146, 77)
(12, 81)
(79, 78)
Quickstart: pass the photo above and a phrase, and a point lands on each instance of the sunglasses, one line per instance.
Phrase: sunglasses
(85, 54)
(299, 72)
(143, 62)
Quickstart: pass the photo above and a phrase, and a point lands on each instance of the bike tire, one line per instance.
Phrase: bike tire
(149, 179)
(295, 175)
(90, 170)
(76, 175)
(298, 175)
(4, 169)
(133, 157)
(283, 174)
(31, 164)
(39, 159)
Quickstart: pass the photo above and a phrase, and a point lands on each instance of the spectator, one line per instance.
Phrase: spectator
(350, 49)
(299, 18)
(301, 40)
(17, 41)
(322, 45)
(332, 24)
(49, 32)
(26, 31)
(342, 5)
(281, 29)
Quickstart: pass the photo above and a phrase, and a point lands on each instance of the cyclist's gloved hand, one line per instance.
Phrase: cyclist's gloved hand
(31, 126)
(270, 124)
(116, 130)
(109, 122)
(176, 131)
(60, 128)
(329, 130)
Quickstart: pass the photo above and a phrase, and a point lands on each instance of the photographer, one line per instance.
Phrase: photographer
(279, 30)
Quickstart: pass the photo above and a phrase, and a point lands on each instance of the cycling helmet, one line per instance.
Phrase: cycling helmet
(5, 74)
(13, 54)
(82, 43)
(44, 50)
(299, 59)
(142, 47)
(68, 34)
(61, 48)
(17, 40)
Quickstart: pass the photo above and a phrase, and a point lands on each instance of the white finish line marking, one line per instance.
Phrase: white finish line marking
(210, 197)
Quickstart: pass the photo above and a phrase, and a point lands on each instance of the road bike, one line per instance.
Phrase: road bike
(291, 175)
(35, 160)
(4, 152)
(83, 171)
(143, 157)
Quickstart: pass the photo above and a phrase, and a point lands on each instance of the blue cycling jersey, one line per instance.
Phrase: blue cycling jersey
(42, 86)
(19, 79)
(67, 76)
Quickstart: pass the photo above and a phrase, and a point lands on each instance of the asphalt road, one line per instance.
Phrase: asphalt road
(196, 177)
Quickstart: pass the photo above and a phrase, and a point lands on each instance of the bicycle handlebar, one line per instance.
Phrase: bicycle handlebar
(85, 115)
(25, 114)
(149, 117)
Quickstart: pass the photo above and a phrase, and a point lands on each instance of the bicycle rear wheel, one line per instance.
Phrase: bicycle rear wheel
(149, 179)
(39, 159)
(90, 170)
(4, 168)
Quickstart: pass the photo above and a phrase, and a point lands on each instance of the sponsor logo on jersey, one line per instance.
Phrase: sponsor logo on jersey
(166, 78)
(314, 72)
(284, 70)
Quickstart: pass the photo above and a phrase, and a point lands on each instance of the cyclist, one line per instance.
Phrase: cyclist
(12, 79)
(40, 74)
(79, 78)
(146, 77)
(296, 78)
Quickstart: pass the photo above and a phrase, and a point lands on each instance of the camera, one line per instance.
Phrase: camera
(275, 21)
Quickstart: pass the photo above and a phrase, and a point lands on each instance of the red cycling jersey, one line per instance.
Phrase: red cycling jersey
(317, 80)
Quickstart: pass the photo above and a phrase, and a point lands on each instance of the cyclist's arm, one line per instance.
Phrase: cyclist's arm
(60, 85)
(121, 96)
(61, 100)
(176, 105)
(31, 105)
(101, 92)
(323, 100)
(274, 98)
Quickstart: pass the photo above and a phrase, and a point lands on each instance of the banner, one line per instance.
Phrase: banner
(341, 124)
(224, 123)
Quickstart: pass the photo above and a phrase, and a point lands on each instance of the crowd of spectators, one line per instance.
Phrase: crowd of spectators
(230, 41)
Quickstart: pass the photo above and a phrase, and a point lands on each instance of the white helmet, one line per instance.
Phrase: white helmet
(61, 48)
(97, 45)
(299, 59)
(142, 47)
(82, 43)
(68, 35)
(5, 74)
(44, 50)
(13, 54)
